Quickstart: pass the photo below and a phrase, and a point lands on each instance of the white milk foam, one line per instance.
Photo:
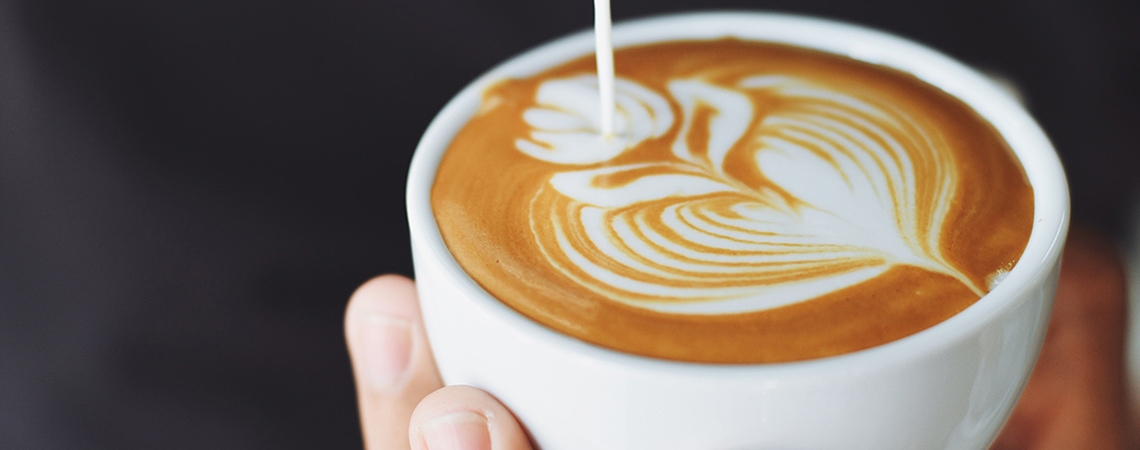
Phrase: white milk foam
(720, 245)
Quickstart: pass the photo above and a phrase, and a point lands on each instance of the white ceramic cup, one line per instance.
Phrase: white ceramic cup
(950, 386)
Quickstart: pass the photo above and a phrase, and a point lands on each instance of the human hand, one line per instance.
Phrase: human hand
(402, 401)
(1075, 398)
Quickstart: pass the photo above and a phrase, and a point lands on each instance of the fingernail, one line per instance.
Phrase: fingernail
(388, 344)
(462, 430)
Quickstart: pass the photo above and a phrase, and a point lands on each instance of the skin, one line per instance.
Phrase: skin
(1075, 398)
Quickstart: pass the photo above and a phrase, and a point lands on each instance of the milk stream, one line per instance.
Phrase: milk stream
(605, 60)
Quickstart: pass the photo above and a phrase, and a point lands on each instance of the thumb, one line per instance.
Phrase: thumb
(465, 418)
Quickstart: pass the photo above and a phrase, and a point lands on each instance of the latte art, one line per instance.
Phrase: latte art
(568, 129)
(832, 200)
(756, 203)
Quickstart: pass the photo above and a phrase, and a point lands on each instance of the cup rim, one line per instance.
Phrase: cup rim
(1033, 149)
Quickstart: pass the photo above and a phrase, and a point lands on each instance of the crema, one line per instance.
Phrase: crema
(756, 203)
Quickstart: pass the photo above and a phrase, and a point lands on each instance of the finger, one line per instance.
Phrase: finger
(465, 418)
(391, 359)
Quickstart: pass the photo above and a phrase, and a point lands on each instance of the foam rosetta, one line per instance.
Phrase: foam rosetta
(843, 189)
(756, 203)
(567, 128)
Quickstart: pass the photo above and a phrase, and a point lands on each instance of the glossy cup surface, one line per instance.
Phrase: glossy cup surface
(950, 386)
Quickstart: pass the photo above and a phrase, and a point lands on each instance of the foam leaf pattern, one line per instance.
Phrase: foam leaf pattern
(566, 127)
(836, 200)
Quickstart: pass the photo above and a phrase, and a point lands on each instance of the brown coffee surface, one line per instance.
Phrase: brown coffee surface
(672, 241)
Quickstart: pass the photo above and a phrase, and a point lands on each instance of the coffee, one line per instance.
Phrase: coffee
(759, 203)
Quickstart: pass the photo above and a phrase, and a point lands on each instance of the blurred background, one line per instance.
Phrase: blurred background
(190, 190)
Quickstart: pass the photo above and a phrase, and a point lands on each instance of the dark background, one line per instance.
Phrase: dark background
(189, 191)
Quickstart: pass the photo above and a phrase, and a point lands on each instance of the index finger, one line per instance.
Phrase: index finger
(391, 359)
